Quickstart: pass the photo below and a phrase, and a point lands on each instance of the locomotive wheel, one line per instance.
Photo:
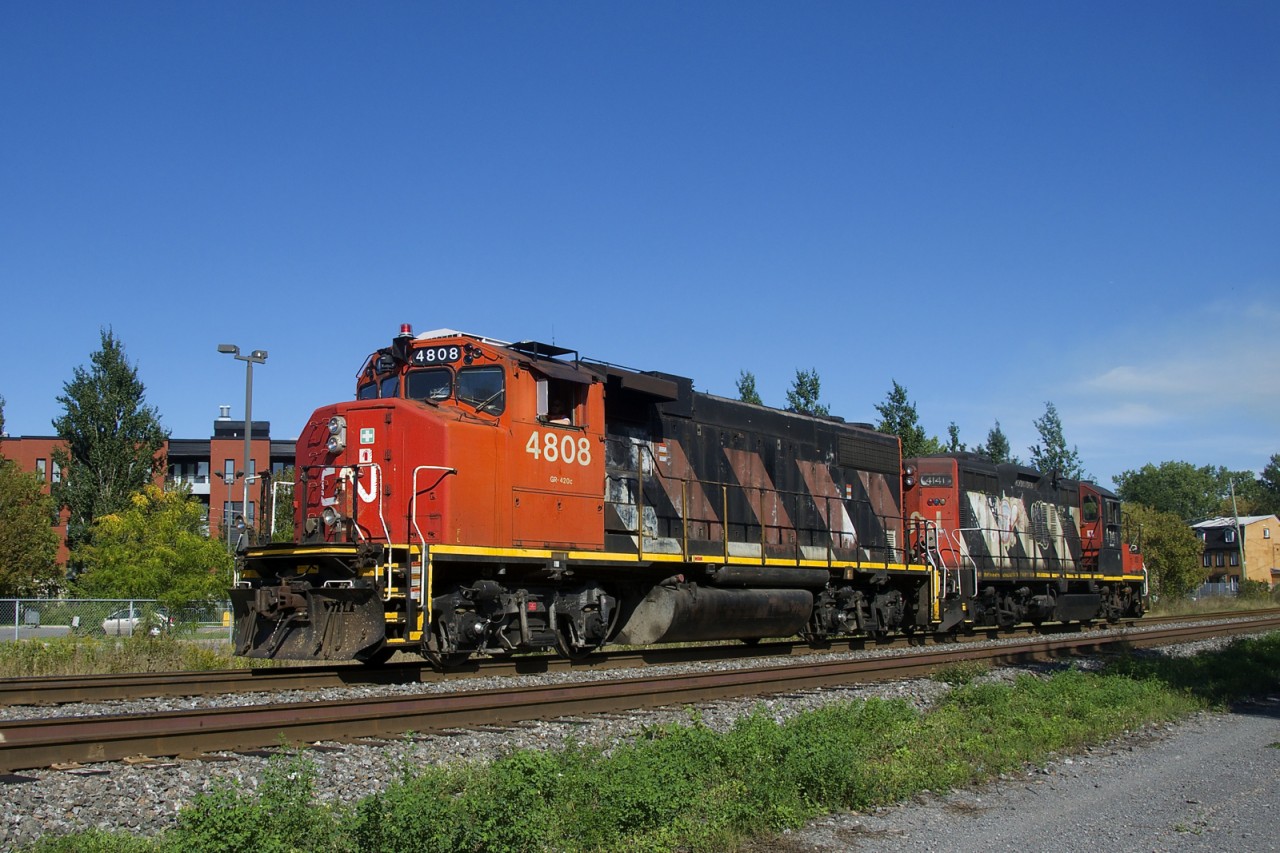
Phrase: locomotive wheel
(442, 661)
(564, 640)
(567, 650)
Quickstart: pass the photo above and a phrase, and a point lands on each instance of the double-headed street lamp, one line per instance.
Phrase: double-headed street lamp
(258, 356)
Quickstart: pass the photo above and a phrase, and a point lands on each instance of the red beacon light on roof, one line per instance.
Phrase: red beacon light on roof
(406, 330)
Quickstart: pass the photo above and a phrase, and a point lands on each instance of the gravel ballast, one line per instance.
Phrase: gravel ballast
(144, 797)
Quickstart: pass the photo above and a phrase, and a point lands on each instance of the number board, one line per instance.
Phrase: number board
(936, 480)
(436, 355)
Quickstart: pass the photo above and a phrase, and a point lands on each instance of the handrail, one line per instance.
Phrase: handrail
(425, 568)
(790, 497)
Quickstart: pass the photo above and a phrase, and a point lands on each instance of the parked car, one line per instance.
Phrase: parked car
(124, 622)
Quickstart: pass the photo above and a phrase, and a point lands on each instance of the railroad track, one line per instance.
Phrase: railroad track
(58, 689)
(40, 743)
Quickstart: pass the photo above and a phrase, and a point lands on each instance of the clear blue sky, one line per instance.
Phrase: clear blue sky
(996, 204)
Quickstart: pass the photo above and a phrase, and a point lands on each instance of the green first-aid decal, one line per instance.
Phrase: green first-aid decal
(366, 435)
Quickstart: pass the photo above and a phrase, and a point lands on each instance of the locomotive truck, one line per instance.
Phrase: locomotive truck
(479, 496)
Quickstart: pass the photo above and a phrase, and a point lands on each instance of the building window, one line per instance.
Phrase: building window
(1206, 559)
(1234, 558)
(40, 469)
(1229, 535)
(57, 472)
(1218, 560)
(231, 511)
(1266, 533)
(229, 470)
(202, 472)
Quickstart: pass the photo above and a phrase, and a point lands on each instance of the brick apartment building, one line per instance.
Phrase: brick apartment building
(212, 467)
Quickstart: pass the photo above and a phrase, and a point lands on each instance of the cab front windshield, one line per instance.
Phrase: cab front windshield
(435, 384)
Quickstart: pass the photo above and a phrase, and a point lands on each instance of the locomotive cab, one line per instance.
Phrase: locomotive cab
(451, 441)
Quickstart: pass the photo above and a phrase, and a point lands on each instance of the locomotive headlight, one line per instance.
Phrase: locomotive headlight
(330, 516)
(337, 434)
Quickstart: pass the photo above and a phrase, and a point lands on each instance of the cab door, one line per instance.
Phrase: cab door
(558, 459)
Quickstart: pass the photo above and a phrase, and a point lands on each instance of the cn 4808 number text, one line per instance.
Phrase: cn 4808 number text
(557, 447)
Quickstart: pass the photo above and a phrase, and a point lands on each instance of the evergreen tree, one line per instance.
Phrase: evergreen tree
(803, 394)
(112, 440)
(997, 447)
(898, 417)
(747, 388)
(1051, 454)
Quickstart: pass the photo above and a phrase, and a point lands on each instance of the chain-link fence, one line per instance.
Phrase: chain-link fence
(38, 618)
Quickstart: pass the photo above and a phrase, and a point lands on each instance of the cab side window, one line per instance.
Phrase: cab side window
(1089, 509)
(389, 387)
(367, 391)
(561, 403)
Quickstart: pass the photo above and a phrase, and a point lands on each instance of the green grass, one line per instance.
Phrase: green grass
(81, 655)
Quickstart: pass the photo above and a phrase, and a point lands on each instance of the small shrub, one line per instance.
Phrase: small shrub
(281, 817)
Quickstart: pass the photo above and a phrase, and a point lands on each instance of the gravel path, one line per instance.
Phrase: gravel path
(1212, 784)
(144, 797)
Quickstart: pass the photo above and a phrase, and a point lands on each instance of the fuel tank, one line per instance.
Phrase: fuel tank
(688, 612)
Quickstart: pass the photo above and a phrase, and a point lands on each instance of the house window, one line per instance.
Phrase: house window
(57, 472)
(1205, 558)
(1218, 560)
(1234, 558)
(1266, 533)
(1229, 535)
(40, 469)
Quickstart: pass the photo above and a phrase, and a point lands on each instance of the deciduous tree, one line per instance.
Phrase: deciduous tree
(997, 447)
(1170, 549)
(156, 547)
(804, 393)
(1179, 488)
(112, 439)
(28, 542)
(898, 417)
(1051, 453)
(281, 506)
(1269, 485)
(747, 388)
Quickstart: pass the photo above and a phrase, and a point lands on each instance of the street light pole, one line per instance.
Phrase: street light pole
(258, 356)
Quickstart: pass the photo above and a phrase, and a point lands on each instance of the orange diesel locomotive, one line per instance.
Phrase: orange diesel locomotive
(482, 496)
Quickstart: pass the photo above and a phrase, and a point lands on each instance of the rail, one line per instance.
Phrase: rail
(39, 743)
